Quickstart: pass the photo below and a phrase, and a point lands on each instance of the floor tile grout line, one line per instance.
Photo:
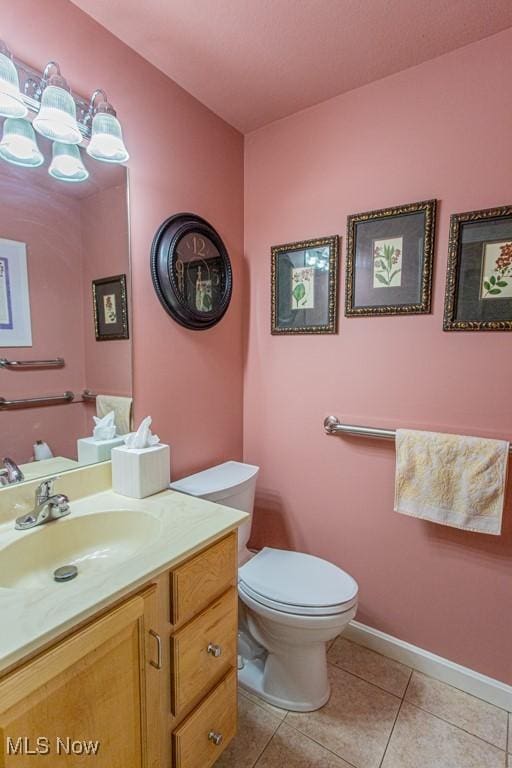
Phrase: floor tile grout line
(318, 743)
(262, 704)
(360, 677)
(450, 722)
(395, 721)
(262, 750)
(458, 727)
(374, 685)
(420, 672)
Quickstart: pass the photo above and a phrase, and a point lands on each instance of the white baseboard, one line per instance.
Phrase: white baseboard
(486, 688)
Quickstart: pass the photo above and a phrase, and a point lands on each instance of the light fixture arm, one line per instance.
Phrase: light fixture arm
(5, 50)
(102, 106)
(51, 78)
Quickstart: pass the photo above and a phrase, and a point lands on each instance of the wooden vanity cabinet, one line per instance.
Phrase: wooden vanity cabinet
(88, 688)
(153, 681)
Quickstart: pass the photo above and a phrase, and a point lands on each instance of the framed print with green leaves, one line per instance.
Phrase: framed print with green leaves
(389, 260)
(304, 286)
(479, 277)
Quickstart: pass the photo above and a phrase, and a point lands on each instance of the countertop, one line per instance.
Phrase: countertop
(39, 610)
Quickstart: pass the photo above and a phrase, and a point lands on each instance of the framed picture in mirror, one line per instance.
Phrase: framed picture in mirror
(304, 280)
(110, 308)
(389, 260)
(15, 322)
(479, 276)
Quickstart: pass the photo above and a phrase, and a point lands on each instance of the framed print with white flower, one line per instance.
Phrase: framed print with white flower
(110, 308)
(304, 286)
(389, 260)
(479, 277)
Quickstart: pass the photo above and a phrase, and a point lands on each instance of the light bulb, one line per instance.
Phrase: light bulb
(67, 164)
(19, 145)
(106, 142)
(11, 100)
(56, 119)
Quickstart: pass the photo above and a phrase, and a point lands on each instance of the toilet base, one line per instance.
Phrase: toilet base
(251, 677)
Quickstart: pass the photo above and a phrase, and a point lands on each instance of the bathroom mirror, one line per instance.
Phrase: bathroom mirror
(58, 241)
(191, 271)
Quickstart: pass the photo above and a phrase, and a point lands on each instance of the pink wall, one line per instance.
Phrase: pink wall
(183, 158)
(439, 130)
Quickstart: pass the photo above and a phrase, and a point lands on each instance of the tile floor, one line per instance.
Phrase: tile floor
(381, 714)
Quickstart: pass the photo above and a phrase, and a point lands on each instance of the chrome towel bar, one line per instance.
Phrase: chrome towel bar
(29, 402)
(57, 362)
(333, 426)
(88, 395)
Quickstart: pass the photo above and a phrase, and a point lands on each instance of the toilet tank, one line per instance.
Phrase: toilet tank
(232, 484)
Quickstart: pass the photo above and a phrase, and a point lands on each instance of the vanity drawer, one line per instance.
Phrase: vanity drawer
(203, 736)
(198, 581)
(203, 651)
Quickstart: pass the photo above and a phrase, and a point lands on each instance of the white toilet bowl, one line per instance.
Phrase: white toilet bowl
(292, 604)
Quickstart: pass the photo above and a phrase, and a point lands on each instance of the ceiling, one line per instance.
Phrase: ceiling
(254, 61)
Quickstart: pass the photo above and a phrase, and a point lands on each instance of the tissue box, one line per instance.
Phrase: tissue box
(140, 472)
(90, 451)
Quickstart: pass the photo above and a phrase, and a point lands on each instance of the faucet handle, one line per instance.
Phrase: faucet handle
(45, 489)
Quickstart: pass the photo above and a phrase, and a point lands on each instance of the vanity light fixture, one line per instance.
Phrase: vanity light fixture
(67, 164)
(19, 145)
(59, 115)
(106, 142)
(56, 119)
(11, 98)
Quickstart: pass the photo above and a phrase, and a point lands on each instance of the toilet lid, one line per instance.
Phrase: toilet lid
(294, 582)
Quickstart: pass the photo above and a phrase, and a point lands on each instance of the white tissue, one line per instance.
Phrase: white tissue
(143, 437)
(105, 428)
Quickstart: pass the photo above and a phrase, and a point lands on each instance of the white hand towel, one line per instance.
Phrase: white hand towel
(122, 407)
(451, 479)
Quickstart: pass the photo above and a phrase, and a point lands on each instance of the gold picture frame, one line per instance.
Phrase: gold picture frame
(304, 286)
(110, 307)
(478, 296)
(390, 255)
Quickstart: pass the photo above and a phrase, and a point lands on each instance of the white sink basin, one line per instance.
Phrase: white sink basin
(93, 543)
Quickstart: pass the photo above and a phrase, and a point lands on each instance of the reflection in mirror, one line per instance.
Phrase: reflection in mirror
(58, 241)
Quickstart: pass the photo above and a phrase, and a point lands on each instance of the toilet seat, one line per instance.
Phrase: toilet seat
(296, 583)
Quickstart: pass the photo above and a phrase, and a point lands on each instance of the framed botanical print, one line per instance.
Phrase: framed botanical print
(110, 308)
(389, 260)
(304, 286)
(479, 277)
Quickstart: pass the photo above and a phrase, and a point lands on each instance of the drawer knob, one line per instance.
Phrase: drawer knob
(214, 650)
(215, 737)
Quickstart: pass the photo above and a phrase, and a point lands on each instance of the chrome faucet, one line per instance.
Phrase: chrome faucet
(48, 506)
(11, 473)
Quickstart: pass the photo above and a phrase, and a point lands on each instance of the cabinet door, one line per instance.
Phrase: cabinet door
(85, 696)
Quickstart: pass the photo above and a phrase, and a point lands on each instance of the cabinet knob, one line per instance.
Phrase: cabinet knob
(215, 737)
(214, 650)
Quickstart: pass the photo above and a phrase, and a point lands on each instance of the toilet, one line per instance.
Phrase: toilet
(291, 604)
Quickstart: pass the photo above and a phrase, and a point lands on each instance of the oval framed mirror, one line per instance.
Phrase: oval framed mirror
(191, 271)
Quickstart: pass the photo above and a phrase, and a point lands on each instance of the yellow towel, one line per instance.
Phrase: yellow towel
(122, 407)
(451, 479)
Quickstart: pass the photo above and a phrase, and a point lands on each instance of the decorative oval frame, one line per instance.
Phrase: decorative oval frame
(163, 250)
